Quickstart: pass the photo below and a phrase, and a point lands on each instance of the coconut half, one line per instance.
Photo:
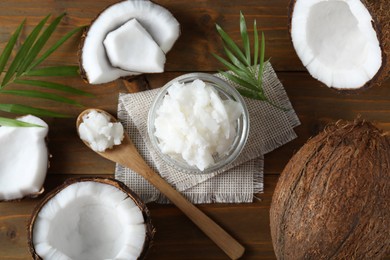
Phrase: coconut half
(158, 22)
(341, 42)
(90, 219)
(23, 159)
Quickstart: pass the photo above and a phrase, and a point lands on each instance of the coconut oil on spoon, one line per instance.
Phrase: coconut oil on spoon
(126, 154)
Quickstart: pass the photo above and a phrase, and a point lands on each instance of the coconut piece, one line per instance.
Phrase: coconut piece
(157, 21)
(101, 134)
(24, 161)
(130, 47)
(332, 199)
(90, 218)
(339, 42)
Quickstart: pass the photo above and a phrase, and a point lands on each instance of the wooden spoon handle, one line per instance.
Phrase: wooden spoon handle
(127, 155)
(226, 242)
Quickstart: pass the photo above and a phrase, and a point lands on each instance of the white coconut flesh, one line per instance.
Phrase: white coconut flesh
(156, 20)
(130, 47)
(23, 159)
(89, 221)
(336, 42)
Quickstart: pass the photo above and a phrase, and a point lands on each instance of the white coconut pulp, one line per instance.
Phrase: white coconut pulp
(336, 41)
(90, 221)
(23, 159)
(156, 20)
(101, 134)
(130, 47)
(194, 124)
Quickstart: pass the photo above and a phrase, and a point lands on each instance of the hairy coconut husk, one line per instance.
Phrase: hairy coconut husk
(150, 230)
(332, 199)
(379, 10)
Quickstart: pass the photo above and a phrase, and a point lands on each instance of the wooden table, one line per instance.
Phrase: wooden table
(177, 237)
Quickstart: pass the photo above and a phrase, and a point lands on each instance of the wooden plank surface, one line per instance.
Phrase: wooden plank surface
(177, 237)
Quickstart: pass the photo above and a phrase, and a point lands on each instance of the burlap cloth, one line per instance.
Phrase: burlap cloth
(270, 128)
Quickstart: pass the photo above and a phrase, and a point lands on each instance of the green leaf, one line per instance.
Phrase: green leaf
(54, 71)
(21, 54)
(22, 109)
(52, 85)
(10, 45)
(15, 123)
(239, 81)
(245, 38)
(55, 47)
(43, 95)
(236, 61)
(232, 45)
(256, 45)
(262, 53)
(250, 94)
(39, 44)
(236, 70)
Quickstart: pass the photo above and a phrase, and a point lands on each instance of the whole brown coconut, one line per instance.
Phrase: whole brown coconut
(149, 229)
(332, 200)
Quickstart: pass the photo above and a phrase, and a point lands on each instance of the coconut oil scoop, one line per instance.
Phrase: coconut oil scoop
(127, 155)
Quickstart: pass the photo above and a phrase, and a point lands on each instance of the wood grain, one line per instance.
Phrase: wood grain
(177, 237)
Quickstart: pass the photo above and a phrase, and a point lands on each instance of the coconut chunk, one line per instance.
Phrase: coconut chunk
(336, 42)
(24, 162)
(88, 226)
(130, 47)
(157, 21)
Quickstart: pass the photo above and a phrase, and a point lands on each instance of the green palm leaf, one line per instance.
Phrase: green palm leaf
(25, 63)
(246, 74)
(245, 38)
(15, 123)
(8, 49)
(55, 47)
(33, 53)
(39, 94)
(21, 54)
(54, 71)
(22, 109)
(52, 85)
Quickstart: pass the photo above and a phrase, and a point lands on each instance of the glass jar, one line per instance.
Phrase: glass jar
(225, 91)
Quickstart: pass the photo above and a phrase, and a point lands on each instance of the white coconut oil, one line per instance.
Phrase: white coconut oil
(101, 134)
(195, 124)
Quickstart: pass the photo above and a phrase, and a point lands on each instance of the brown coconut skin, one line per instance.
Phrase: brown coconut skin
(379, 10)
(332, 200)
(150, 230)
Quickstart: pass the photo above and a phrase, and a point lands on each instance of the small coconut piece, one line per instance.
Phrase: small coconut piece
(130, 47)
(101, 134)
(90, 218)
(342, 43)
(23, 159)
(95, 66)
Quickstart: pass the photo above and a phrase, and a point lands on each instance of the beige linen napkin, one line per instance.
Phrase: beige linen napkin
(270, 128)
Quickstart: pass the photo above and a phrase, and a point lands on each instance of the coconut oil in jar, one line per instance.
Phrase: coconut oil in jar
(195, 125)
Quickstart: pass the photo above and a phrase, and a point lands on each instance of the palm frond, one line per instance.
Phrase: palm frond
(22, 109)
(25, 63)
(15, 123)
(247, 74)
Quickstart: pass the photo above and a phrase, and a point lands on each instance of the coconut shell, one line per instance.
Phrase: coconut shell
(332, 199)
(379, 10)
(150, 230)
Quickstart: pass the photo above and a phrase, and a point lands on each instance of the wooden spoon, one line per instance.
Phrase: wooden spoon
(127, 155)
